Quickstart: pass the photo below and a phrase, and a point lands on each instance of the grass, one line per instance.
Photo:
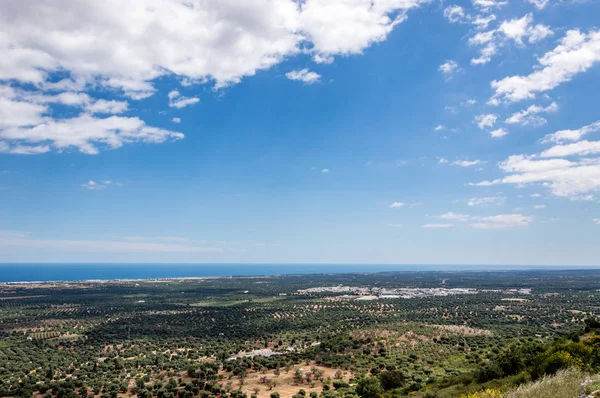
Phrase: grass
(230, 303)
(564, 384)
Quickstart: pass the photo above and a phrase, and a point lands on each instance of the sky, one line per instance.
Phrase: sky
(307, 131)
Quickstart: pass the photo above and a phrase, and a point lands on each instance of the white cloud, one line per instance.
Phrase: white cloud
(442, 160)
(27, 128)
(23, 149)
(303, 75)
(501, 221)
(514, 29)
(341, 27)
(121, 48)
(323, 59)
(449, 67)
(498, 200)
(439, 127)
(596, 220)
(396, 205)
(498, 133)
(482, 22)
(325, 171)
(456, 14)
(92, 185)
(535, 195)
(581, 148)
(576, 53)
(467, 163)
(539, 207)
(104, 106)
(520, 28)
(218, 40)
(86, 133)
(563, 177)
(437, 225)
(488, 222)
(530, 116)
(176, 120)
(487, 4)
(484, 121)
(539, 4)
(176, 100)
(562, 136)
(450, 216)
(486, 54)
(538, 33)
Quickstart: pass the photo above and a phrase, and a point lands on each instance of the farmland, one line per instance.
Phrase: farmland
(420, 333)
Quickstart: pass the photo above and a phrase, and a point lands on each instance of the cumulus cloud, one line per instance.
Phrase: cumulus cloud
(218, 40)
(484, 121)
(325, 171)
(563, 177)
(86, 133)
(176, 100)
(303, 75)
(520, 28)
(27, 127)
(176, 120)
(515, 30)
(396, 205)
(448, 68)
(581, 148)
(439, 127)
(596, 220)
(122, 48)
(498, 133)
(576, 53)
(562, 136)
(530, 116)
(104, 106)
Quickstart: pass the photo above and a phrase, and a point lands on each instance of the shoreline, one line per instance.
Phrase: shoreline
(215, 277)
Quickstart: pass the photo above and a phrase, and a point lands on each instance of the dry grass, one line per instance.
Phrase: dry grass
(564, 384)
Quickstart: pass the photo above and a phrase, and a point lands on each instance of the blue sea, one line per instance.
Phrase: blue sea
(43, 272)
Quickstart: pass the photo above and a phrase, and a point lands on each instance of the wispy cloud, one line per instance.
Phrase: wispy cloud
(92, 185)
(103, 246)
(437, 225)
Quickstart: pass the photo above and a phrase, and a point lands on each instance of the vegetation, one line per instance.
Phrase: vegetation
(259, 337)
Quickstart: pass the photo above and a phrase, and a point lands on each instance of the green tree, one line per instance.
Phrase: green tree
(369, 388)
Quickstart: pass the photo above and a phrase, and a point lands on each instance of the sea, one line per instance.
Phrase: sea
(46, 272)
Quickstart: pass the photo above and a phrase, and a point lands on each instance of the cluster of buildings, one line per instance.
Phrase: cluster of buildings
(376, 293)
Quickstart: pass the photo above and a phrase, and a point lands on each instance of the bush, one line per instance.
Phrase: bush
(391, 379)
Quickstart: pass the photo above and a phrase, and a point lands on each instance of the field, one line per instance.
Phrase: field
(427, 334)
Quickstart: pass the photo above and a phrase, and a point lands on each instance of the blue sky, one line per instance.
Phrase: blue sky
(342, 131)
